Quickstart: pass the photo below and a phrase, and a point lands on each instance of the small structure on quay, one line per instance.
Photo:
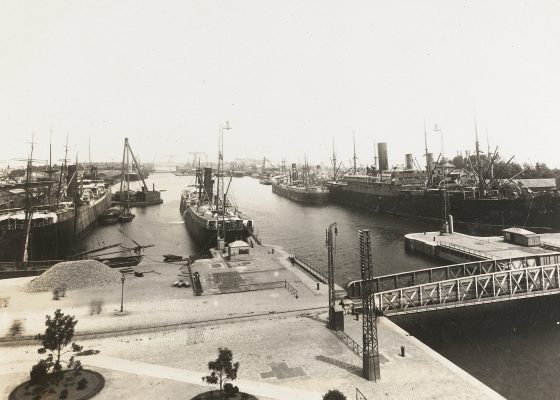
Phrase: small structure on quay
(239, 251)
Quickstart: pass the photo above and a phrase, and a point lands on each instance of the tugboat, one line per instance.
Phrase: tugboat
(212, 219)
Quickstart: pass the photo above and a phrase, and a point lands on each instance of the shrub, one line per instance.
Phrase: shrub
(82, 383)
(228, 390)
(39, 372)
(334, 395)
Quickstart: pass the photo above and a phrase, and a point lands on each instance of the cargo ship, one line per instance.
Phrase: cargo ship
(211, 219)
(303, 189)
(49, 232)
(441, 190)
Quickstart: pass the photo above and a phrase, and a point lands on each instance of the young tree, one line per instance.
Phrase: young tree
(334, 395)
(57, 336)
(222, 369)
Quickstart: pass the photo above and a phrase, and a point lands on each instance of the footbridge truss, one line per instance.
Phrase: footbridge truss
(471, 290)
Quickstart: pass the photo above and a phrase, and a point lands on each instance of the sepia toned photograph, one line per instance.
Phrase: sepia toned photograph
(279, 200)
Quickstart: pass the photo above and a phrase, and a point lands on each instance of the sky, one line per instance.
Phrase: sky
(292, 77)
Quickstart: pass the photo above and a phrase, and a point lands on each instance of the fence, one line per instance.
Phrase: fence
(308, 267)
(360, 395)
(351, 343)
(291, 289)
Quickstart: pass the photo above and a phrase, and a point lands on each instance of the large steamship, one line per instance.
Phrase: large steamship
(442, 189)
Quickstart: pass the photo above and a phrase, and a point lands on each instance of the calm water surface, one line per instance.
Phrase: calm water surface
(513, 347)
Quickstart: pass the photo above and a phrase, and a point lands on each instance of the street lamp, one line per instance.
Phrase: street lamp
(122, 291)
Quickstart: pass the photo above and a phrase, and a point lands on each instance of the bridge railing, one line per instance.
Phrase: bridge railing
(436, 274)
(477, 289)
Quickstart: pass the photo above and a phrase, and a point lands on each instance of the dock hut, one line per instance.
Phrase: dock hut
(240, 251)
(522, 237)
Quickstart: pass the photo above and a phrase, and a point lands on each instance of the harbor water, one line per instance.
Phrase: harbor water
(513, 347)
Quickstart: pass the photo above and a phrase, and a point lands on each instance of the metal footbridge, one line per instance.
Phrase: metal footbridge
(466, 284)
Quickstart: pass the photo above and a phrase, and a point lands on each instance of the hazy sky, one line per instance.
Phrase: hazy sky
(290, 76)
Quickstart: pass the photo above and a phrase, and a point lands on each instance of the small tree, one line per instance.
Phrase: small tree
(334, 395)
(222, 369)
(57, 336)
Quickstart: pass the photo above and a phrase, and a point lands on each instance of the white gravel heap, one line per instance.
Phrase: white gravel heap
(74, 275)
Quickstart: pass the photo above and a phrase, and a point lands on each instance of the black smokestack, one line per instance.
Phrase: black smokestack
(72, 180)
(208, 183)
(383, 160)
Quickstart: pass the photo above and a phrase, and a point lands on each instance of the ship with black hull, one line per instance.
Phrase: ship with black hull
(49, 232)
(210, 217)
(302, 189)
(478, 203)
(205, 215)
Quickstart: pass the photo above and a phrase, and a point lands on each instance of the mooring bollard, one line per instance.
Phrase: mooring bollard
(402, 351)
(317, 285)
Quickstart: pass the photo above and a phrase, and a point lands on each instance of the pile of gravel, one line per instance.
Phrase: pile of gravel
(74, 275)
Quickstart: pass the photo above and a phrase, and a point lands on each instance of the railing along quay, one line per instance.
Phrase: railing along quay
(472, 290)
(306, 266)
(351, 343)
(465, 250)
(436, 274)
(291, 289)
(360, 395)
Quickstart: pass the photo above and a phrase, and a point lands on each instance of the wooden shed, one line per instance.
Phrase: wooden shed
(521, 236)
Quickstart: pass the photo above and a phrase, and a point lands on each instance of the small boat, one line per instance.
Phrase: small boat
(110, 217)
(172, 257)
(126, 215)
(120, 262)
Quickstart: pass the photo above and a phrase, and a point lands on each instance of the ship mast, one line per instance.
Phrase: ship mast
(28, 209)
(438, 129)
(428, 172)
(477, 144)
(354, 157)
(491, 161)
(221, 180)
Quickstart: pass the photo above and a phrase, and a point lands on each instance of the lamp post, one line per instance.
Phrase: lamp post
(121, 312)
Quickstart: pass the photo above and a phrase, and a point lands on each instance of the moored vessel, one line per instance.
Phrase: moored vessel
(303, 189)
(212, 219)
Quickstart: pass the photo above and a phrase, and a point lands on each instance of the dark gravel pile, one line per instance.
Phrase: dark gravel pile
(74, 275)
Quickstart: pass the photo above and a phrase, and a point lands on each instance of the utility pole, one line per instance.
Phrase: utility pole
(336, 319)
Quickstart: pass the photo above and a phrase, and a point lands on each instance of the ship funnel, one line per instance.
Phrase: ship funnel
(383, 160)
(72, 180)
(408, 162)
(208, 183)
(430, 162)
(294, 172)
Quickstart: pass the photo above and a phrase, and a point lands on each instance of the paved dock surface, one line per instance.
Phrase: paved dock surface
(162, 347)
(493, 246)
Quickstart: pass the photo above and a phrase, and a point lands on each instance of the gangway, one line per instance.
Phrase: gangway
(471, 290)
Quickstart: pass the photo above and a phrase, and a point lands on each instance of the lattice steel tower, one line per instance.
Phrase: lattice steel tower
(369, 323)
